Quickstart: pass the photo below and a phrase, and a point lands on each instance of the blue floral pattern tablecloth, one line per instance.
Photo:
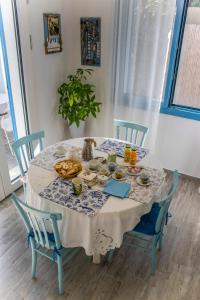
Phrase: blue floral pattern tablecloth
(118, 148)
(61, 191)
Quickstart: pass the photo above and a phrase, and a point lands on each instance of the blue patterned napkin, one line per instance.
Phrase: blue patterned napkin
(117, 189)
(61, 191)
(118, 148)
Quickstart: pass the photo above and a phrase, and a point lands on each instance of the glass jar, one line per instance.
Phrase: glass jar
(112, 157)
(127, 151)
(133, 156)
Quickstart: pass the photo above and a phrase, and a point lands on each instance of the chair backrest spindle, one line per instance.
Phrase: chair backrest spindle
(117, 132)
(137, 132)
(24, 149)
(41, 144)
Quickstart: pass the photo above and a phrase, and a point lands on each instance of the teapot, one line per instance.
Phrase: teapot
(87, 152)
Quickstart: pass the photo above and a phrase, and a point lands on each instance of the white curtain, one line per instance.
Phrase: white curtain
(143, 35)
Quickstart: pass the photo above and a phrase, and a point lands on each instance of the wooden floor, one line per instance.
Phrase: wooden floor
(177, 276)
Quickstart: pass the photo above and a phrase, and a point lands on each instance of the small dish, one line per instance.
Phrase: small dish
(102, 179)
(87, 175)
(134, 171)
(104, 171)
(119, 175)
(101, 159)
(119, 179)
(94, 165)
(57, 155)
(138, 180)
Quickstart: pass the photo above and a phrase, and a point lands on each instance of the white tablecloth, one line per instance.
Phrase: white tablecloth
(96, 234)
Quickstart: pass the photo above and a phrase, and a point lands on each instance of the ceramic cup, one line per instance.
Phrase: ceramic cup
(77, 184)
(119, 173)
(60, 150)
(144, 178)
(94, 164)
(112, 166)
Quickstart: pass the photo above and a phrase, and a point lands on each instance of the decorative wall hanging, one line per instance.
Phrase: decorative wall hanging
(91, 41)
(52, 33)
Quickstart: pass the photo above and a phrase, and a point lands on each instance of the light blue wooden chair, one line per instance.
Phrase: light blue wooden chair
(134, 133)
(148, 234)
(24, 149)
(44, 238)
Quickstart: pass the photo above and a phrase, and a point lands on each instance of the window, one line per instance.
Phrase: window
(182, 93)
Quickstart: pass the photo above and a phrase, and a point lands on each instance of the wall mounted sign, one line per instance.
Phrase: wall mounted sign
(91, 41)
(52, 33)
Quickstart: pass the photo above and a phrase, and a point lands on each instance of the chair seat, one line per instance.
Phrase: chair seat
(152, 215)
(148, 221)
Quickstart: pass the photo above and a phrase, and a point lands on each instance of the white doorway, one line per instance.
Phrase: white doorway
(12, 120)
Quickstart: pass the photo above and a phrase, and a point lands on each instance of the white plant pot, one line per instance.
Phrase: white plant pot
(77, 132)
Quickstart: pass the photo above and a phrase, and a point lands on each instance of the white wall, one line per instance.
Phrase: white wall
(102, 75)
(177, 142)
(43, 73)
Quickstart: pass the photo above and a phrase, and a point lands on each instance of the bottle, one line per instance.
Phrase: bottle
(133, 156)
(127, 151)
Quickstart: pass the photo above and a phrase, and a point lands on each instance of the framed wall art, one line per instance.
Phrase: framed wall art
(52, 33)
(91, 41)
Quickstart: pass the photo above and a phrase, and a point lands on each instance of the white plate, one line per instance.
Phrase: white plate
(59, 155)
(138, 180)
(102, 160)
(135, 174)
(94, 170)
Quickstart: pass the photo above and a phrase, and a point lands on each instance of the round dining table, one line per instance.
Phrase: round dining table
(98, 233)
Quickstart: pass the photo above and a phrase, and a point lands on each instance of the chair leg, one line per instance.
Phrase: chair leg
(60, 275)
(153, 260)
(169, 215)
(24, 188)
(166, 219)
(34, 262)
(110, 256)
(160, 243)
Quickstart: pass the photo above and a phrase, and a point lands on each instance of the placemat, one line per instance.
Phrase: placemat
(147, 194)
(61, 191)
(118, 148)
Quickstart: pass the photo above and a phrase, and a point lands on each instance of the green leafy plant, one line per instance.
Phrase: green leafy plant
(77, 98)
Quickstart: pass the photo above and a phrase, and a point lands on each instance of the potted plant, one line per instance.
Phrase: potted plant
(77, 100)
